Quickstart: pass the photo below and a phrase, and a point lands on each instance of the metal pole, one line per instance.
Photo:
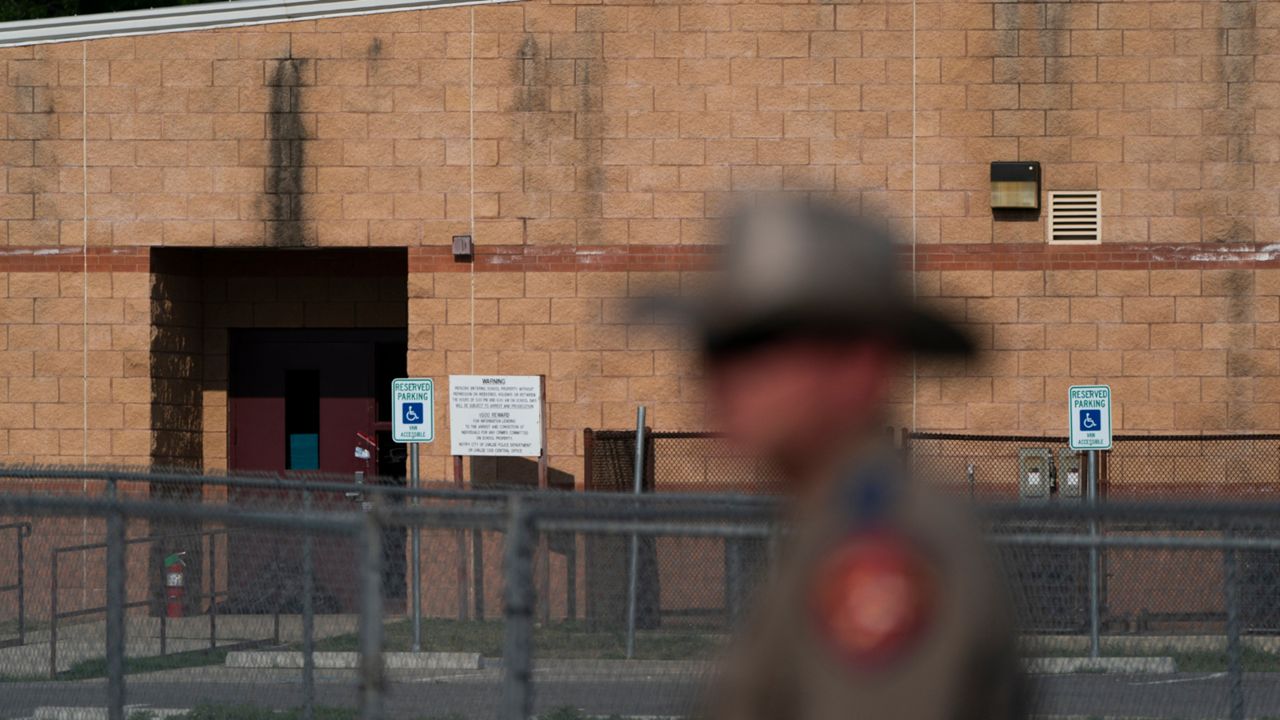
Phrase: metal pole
(308, 618)
(372, 680)
(1092, 481)
(22, 588)
(634, 560)
(517, 648)
(213, 590)
(115, 610)
(278, 571)
(732, 579)
(53, 616)
(571, 578)
(477, 574)
(544, 545)
(460, 536)
(1235, 674)
(416, 550)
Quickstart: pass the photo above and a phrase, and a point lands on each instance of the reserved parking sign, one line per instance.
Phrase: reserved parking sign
(413, 410)
(1090, 417)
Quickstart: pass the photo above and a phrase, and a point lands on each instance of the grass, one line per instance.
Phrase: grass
(559, 640)
(9, 627)
(251, 712)
(1251, 660)
(572, 713)
(97, 667)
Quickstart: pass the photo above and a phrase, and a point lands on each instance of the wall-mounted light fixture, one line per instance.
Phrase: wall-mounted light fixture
(463, 248)
(1015, 185)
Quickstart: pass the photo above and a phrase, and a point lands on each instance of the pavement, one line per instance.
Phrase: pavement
(435, 685)
(600, 688)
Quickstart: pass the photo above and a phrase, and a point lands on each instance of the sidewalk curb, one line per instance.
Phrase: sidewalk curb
(57, 712)
(292, 660)
(1123, 665)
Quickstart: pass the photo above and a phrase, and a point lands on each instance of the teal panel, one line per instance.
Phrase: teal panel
(304, 451)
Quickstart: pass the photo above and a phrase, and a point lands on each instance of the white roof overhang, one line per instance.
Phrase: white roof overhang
(202, 17)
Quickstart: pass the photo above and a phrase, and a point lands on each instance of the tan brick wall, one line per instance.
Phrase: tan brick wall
(44, 367)
(624, 123)
(1184, 350)
(616, 126)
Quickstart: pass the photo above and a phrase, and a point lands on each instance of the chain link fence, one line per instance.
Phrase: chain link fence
(1141, 592)
(675, 462)
(696, 583)
(275, 595)
(1184, 467)
(228, 584)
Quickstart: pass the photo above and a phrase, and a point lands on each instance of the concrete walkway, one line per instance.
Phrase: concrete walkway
(292, 660)
(87, 640)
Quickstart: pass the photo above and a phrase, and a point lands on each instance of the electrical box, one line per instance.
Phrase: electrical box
(1035, 473)
(1070, 474)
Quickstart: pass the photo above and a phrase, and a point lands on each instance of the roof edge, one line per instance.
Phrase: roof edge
(207, 16)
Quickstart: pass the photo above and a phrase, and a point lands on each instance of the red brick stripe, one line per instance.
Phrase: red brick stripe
(567, 258)
(678, 258)
(1096, 257)
(31, 259)
(928, 257)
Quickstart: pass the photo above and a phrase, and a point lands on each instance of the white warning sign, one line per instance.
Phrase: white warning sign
(495, 415)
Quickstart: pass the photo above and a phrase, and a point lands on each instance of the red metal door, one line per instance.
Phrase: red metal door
(299, 402)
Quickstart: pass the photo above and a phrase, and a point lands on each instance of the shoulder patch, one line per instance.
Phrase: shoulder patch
(873, 597)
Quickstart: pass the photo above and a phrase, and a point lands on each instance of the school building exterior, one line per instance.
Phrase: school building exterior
(216, 239)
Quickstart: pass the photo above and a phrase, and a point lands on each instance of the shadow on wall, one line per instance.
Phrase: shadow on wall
(516, 473)
(177, 407)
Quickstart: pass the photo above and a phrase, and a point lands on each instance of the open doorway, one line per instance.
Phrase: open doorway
(309, 400)
(279, 362)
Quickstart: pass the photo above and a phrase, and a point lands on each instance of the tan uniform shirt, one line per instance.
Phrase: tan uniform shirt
(960, 664)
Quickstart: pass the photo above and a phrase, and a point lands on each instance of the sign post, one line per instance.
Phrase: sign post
(498, 416)
(1090, 430)
(633, 564)
(413, 421)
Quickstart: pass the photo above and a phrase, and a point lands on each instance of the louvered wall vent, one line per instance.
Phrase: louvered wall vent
(1075, 217)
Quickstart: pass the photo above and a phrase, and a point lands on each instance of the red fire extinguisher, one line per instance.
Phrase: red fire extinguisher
(175, 579)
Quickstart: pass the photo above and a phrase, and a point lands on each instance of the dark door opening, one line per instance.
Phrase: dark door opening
(306, 401)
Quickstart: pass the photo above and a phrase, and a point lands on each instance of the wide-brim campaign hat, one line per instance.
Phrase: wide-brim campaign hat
(800, 267)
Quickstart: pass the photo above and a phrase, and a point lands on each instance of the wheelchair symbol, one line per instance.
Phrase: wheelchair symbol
(412, 413)
(1090, 419)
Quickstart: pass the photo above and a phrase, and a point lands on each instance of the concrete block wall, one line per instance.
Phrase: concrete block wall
(590, 148)
(54, 384)
(1185, 350)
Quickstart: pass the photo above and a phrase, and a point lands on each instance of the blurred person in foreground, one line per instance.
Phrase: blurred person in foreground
(881, 604)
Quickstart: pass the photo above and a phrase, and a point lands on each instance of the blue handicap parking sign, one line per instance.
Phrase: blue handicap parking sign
(1090, 420)
(411, 413)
